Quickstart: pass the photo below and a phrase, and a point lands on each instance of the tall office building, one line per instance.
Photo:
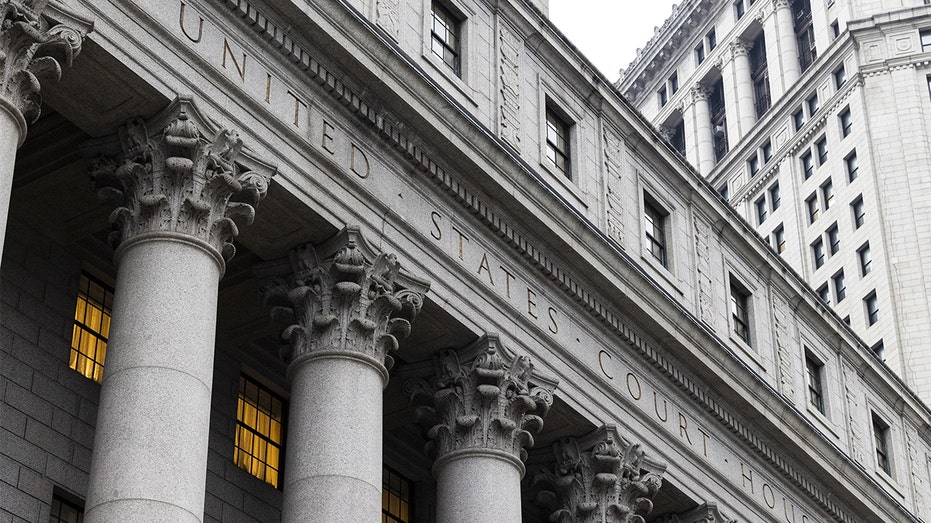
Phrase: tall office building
(812, 119)
(344, 261)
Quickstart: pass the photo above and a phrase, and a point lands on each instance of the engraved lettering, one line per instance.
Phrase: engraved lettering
(200, 26)
(704, 439)
(461, 237)
(744, 477)
(554, 328)
(665, 415)
(484, 265)
(297, 109)
(352, 161)
(639, 393)
(684, 428)
(327, 141)
(438, 233)
(228, 51)
(785, 511)
(507, 282)
(601, 363)
(771, 503)
(268, 87)
(531, 305)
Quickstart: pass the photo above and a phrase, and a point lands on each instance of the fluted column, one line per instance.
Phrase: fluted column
(599, 478)
(788, 45)
(743, 82)
(481, 408)
(175, 188)
(32, 50)
(696, 112)
(346, 306)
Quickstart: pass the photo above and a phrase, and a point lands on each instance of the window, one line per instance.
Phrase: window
(798, 117)
(846, 125)
(840, 77)
(815, 371)
(761, 210)
(779, 239)
(881, 441)
(64, 511)
(929, 83)
(396, 497)
(866, 259)
(827, 194)
(817, 252)
(753, 164)
(740, 311)
(718, 120)
(822, 148)
(712, 40)
(808, 166)
(663, 97)
(767, 151)
(925, 40)
(804, 33)
(825, 294)
(851, 162)
(833, 239)
(444, 37)
(835, 30)
(859, 214)
(739, 8)
(674, 83)
(654, 223)
(724, 192)
(557, 142)
(840, 286)
(91, 327)
(700, 53)
(759, 75)
(259, 431)
(775, 200)
(812, 104)
(872, 308)
(813, 210)
(879, 350)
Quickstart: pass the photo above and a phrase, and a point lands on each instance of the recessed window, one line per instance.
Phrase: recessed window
(739, 8)
(929, 83)
(833, 239)
(812, 104)
(827, 194)
(767, 149)
(753, 165)
(91, 327)
(654, 225)
(798, 117)
(813, 210)
(673, 83)
(804, 33)
(759, 75)
(775, 199)
(779, 239)
(871, 303)
(445, 37)
(840, 76)
(64, 511)
(881, 442)
(846, 123)
(557, 142)
(851, 162)
(700, 53)
(840, 286)
(865, 258)
(259, 431)
(822, 147)
(711, 39)
(808, 165)
(396, 497)
(761, 210)
(663, 96)
(724, 192)
(879, 350)
(740, 311)
(817, 253)
(835, 30)
(859, 212)
(925, 40)
(815, 371)
(825, 294)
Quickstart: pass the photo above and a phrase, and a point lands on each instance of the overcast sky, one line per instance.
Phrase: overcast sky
(609, 32)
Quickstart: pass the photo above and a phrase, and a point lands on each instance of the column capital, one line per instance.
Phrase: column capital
(665, 132)
(740, 48)
(707, 513)
(698, 92)
(33, 49)
(341, 298)
(781, 4)
(177, 175)
(599, 478)
(480, 398)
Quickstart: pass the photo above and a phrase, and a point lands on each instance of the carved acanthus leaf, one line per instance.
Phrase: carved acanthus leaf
(32, 49)
(181, 181)
(491, 402)
(603, 480)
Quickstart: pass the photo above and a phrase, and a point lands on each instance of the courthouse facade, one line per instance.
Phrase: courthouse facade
(414, 260)
(812, 118)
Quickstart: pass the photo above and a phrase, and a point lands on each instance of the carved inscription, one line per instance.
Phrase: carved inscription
(614, 186)
(509, 78)
(703, 270)
(781, 328)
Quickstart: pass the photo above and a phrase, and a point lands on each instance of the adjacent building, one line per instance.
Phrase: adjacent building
(812, 119)
(413, 260)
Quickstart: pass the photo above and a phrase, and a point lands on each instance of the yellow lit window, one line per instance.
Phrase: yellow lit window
(91, 327)
(395, 497)
(259, 431)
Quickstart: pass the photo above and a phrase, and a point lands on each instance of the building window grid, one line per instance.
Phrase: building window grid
(396, 497)
(840, 286)
(865, 258)
(91, 327)
(817, 253)
(259, 431)
(815, 371)
(881, 442)
(872, 308)
(63, 511)
(557, 142)
(654, 226)
(740, 312)
(846, 122)
(444, 37)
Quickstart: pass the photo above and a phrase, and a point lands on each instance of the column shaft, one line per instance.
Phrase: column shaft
(334, 441)
(476, 486)
(150, 448)
(12, 131)
(773, 58)
(704, 135)
(788, 45)
(746, 105)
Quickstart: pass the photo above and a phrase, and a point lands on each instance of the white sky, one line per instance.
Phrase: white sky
(609, 32)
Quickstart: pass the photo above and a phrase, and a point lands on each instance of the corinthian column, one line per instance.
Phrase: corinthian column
(788, 45)
(175, 189)
(599, 478)
(346, 306)
(32, 50)
(696, 113)
(481, 408)
(743, 85)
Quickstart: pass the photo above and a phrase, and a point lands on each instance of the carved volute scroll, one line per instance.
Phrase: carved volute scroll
(180, 177)
(480, 398)
(599, 478)
(707, 513)
(341, 297)
(32, 50)
(614, 193)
